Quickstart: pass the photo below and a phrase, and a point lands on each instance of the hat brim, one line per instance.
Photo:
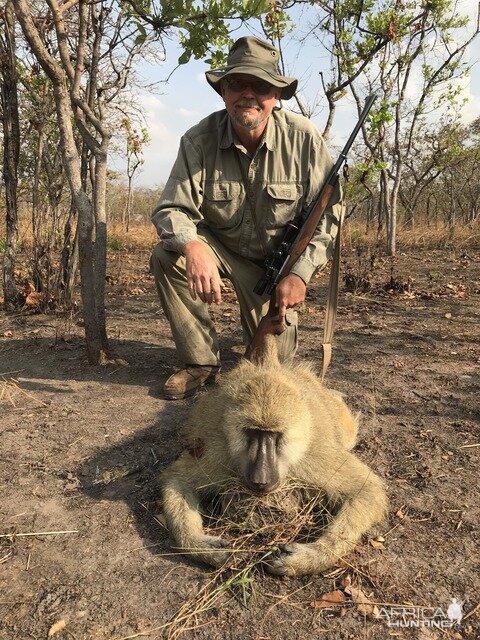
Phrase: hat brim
(287, 85)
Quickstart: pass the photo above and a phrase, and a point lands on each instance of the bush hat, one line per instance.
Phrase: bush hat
(257, 58)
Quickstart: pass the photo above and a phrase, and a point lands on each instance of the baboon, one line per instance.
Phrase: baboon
(262, 424)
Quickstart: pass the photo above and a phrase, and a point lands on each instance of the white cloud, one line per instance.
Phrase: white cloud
(187, 113)
(160, 153)
(151, 101)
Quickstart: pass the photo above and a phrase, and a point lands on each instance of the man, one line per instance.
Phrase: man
(241, 174)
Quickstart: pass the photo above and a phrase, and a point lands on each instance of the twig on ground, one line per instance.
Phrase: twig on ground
(36, 533)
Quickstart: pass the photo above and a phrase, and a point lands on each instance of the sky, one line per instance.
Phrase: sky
(186, 98)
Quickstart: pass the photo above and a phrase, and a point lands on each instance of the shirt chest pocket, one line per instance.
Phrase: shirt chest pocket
(284, 200)
(220, 206)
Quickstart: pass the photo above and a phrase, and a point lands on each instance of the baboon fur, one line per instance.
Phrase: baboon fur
(317, 433)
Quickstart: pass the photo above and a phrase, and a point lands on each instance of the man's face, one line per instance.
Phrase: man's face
(249, 101)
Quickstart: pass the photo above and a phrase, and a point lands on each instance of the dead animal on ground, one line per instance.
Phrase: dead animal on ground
(264, 426)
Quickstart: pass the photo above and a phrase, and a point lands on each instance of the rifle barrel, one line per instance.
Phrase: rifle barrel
(344, 153)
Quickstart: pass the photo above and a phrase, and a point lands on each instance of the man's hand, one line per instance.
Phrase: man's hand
(203, 278)
(290, 291)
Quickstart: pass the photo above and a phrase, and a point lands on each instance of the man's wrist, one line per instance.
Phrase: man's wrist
(190, 246)
(295, 275)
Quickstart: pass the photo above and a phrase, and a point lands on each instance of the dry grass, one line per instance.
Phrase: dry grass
(257, 526)
(422, 236)
(143, 236)
(292, 512)
(441, 236)
(139, 236)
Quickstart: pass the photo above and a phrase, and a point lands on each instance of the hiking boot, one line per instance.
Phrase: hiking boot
(188, 381)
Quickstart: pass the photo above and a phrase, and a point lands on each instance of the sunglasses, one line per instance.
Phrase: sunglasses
(257, 86)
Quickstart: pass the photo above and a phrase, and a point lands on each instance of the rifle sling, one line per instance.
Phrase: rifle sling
(332, 299)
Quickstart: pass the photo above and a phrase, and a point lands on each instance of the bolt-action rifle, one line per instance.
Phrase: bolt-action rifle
(296, 238)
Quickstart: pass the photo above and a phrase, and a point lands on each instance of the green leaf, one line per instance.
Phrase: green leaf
(184, 58)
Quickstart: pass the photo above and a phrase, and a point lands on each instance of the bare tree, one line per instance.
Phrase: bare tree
(11, 148)
(135, 139)
(380, 47)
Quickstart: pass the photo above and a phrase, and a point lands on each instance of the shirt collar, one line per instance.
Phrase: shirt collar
(269, 137)
(227, 137)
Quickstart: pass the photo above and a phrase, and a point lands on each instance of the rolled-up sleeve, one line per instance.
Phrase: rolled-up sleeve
(178, 211)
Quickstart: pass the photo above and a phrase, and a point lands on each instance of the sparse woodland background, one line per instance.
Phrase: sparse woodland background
(83, 553)
(67, 70)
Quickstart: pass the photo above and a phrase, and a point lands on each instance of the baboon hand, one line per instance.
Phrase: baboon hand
(296, 559)
(211, 550)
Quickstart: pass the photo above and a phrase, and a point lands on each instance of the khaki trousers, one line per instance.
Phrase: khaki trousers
(192, 327)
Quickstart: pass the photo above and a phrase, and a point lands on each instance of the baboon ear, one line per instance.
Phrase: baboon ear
(267, 355)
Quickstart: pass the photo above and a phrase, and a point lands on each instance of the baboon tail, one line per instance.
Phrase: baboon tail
(268, 355)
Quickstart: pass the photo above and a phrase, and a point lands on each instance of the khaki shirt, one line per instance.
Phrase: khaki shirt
(213, 171)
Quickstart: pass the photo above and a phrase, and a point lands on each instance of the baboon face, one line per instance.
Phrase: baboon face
(261, 471)
(264, 438)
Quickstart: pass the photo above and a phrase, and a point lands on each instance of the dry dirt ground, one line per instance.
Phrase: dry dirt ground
(82, 447)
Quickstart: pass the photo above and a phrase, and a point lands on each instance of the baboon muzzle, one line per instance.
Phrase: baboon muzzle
(262, 470)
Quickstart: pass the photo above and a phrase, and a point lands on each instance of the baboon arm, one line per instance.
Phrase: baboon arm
(363, 504)
(181, 502)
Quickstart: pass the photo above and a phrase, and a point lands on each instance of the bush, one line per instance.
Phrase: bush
(114, 243)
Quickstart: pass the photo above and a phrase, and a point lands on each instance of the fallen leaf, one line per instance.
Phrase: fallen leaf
(364, 605)
(448, 316)
(7, 334)
(55, 628)
(400, 515)
(33, 299)
(376, 544)
(120, 361)
(331, 599)
(346, 582)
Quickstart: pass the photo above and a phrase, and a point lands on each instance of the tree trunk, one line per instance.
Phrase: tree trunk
(66, 262)
(11, 152)
(388, 212)
(129, 203)
(36, 221)
(393, 206)
(94, 333)
(99, 194)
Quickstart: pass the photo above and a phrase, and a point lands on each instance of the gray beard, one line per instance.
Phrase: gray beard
(246, 123)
